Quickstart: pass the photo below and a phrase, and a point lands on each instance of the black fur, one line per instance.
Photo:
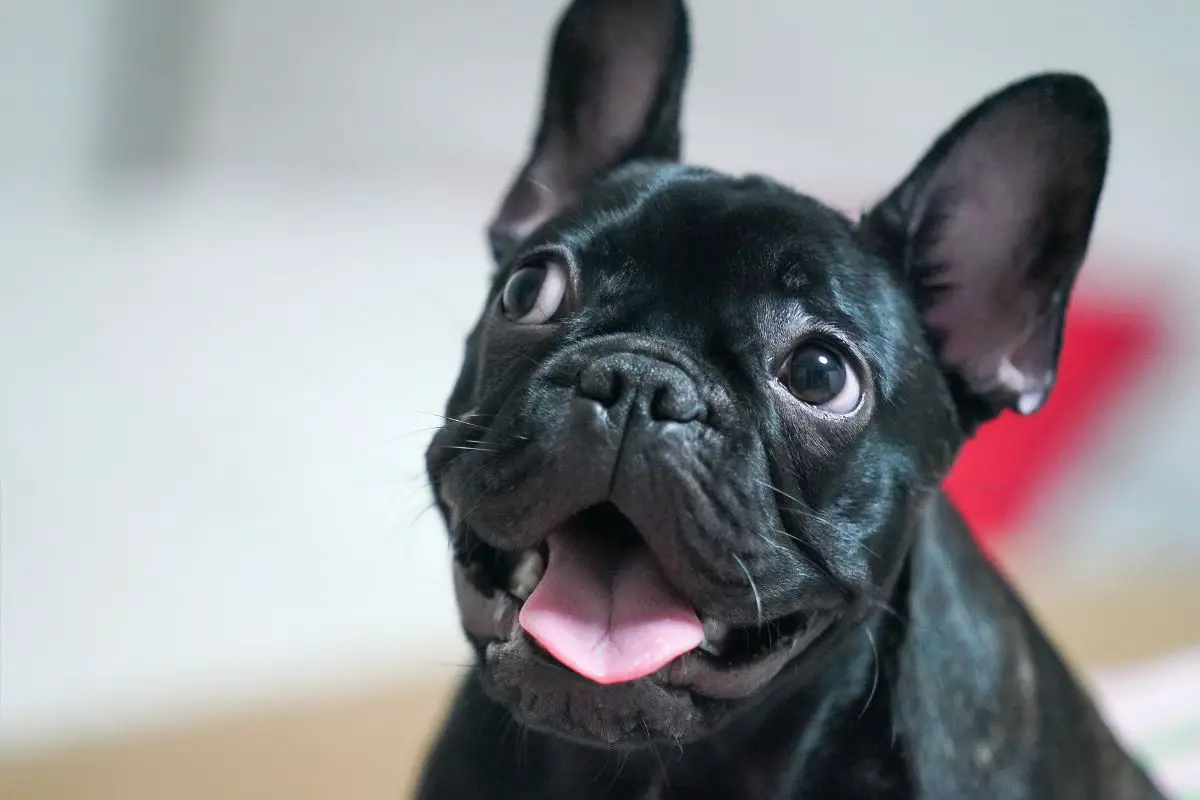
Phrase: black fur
(904, 665)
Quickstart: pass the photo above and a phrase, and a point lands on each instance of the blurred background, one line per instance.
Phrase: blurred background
(241, 243)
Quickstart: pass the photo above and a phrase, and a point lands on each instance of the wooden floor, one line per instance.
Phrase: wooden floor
(361, 747)
(365, 746)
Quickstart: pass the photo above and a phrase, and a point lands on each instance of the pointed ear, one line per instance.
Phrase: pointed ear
(991, 228)
(613, 94)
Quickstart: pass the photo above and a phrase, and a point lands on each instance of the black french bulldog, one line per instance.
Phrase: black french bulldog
(692, 464)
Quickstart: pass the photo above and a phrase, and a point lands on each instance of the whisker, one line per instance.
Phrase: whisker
(414, 432)
(810, 514)
(774, 544)
(753, 587)
(791, 536)
(886, 608)
(450, 419)
(545, 187)
(815, 517)
(432, 505)
(801, 507)
(662, 768)
(530, 359)
(486, 429)
(464, 422)
(875, 678)
(815, 558)
(833, 526)
(778, 491)
(466, 515)
(423, 486)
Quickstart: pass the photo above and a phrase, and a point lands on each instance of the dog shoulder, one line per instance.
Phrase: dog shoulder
(986, 706)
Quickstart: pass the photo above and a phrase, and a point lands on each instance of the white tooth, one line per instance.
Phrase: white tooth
(715, 634)
(715, 631)
(526, 574)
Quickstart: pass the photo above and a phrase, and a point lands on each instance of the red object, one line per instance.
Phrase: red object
(1014, 462)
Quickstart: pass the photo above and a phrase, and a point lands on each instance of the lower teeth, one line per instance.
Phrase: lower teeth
(715, 636)
(526, 574)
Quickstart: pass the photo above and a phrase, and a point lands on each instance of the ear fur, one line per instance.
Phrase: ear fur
(991, 228)
(613, 94)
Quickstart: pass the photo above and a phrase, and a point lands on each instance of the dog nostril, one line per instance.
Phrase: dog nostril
(676, 404)
(600, 383)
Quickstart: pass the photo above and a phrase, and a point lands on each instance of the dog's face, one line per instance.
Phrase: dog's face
(700, 416)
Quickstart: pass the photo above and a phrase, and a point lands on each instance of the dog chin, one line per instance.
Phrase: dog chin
(682, 700)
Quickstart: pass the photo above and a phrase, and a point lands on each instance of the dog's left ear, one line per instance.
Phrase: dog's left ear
(991, 228)
(613, 94)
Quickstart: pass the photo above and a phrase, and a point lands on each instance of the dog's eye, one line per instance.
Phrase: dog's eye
(817, 375)
(534, 294)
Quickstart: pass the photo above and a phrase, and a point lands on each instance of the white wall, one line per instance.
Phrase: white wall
(51, 55)
(213, 386)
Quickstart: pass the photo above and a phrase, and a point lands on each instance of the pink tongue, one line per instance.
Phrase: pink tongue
(607, 611)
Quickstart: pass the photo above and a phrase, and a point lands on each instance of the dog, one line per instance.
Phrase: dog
(691, 465)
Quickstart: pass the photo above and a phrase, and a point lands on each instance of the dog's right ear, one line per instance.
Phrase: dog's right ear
(613, 94)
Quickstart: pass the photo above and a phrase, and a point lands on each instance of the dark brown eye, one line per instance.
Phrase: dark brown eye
(817, 375)
(534, 294)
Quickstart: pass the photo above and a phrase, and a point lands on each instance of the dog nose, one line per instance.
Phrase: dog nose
(660, 391)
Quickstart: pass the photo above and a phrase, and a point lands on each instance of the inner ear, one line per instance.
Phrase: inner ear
(613, 94)
(991, 228)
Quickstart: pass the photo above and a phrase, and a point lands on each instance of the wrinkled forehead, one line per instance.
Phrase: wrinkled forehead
(704, 244)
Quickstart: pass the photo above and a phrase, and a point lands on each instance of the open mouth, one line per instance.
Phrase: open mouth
(593, 598)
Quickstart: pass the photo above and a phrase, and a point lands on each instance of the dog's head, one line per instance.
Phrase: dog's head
(700, 414)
